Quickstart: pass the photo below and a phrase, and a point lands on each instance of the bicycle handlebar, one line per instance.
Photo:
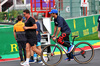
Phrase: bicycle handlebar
(71, 36)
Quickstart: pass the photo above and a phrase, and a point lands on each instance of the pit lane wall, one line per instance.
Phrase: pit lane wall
(82, 26)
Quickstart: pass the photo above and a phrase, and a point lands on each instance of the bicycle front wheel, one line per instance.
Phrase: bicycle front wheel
(83, 52)
(54, 57)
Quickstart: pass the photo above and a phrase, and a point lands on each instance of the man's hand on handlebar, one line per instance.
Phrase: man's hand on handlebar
(53, 37)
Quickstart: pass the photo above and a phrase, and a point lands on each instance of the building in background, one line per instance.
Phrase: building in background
(21, 4)
(14, 4)
(6, 4)
(73, 8)
(67, 8)
(0, 6)
(19, 1)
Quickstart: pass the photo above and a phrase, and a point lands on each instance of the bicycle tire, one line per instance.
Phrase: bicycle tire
(46, 62)
(85, 62)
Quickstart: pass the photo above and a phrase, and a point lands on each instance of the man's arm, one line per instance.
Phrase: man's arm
(32, 27)
(55, 30)
(54, 38)
(15, 35)
(37, 32)
(60, 24)
(14, 30)
(97, 26)
(59, 28)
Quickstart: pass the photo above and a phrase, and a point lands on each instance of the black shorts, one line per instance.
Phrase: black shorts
(31, 38)
(32, 42)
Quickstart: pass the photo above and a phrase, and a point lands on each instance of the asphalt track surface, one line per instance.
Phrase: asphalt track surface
(94, 62)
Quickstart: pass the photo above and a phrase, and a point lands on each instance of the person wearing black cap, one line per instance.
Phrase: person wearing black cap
(61, 25)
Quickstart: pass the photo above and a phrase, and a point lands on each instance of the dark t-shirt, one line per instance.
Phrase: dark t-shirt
(60, 22)
(12, 19)
(39, 30)
(30, 33)
(5, 17)
(99, 23)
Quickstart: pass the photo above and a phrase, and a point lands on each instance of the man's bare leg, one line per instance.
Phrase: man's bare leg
(28, 52)
(39, 48)
(34, 48)
(28, 48)
(32, 53)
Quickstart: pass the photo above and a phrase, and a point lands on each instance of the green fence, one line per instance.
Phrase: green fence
(79, 26)
(83, 26)
(8, 44)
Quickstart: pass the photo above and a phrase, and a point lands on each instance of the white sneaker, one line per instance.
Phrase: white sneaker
(25, 64)
(43, 64)
(21, 62)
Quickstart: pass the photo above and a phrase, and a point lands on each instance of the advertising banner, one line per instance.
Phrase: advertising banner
(79, 26)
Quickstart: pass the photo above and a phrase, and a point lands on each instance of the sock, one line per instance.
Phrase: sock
(31, 58)
(27, 60)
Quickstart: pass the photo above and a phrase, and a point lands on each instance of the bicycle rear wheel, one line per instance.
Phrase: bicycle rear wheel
(83, 52)
(53, 57)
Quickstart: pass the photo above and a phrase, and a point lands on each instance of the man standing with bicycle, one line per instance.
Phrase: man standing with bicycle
(61, 25)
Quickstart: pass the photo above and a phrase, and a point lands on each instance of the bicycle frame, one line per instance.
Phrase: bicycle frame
(64, 48)
(61, 47)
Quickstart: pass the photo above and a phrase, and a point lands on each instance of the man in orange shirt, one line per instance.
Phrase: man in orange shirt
(19, 35)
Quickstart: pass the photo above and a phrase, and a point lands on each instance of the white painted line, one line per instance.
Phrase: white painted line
(6, 27)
